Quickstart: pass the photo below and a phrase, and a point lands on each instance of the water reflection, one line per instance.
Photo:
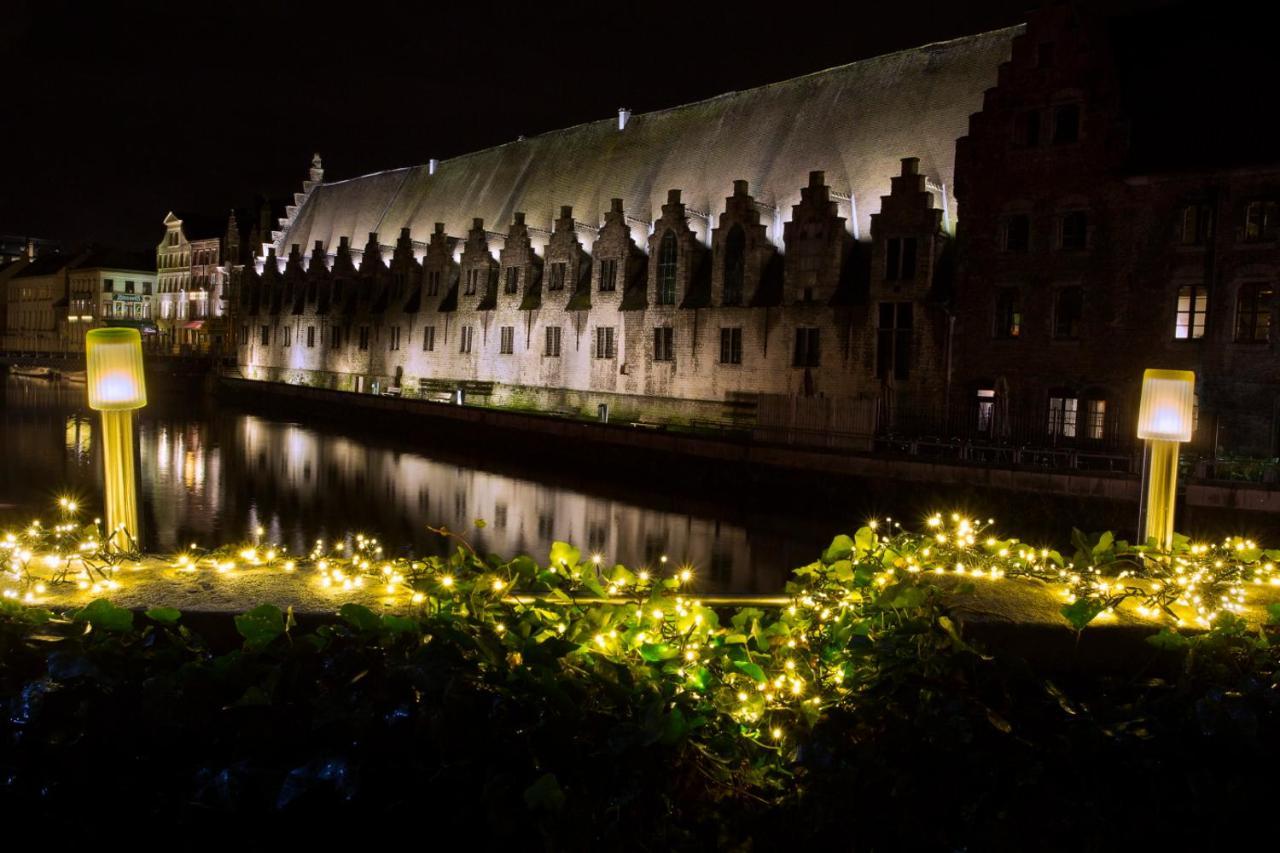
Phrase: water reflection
(211, 474)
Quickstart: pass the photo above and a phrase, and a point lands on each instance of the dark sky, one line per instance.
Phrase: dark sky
(116, 112)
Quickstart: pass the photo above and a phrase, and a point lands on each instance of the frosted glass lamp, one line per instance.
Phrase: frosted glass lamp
(1167, 410)
(113, 366)
(117, 386)
(1165, 417)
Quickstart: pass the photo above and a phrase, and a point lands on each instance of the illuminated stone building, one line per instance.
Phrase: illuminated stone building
(190, 281)
(985, 241)
(694, 262)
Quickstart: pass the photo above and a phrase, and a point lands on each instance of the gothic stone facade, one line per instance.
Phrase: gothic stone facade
(676, 328)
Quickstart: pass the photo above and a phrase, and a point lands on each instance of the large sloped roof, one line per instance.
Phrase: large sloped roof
(854, 122)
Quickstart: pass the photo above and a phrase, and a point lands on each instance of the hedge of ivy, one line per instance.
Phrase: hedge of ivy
(859, 717)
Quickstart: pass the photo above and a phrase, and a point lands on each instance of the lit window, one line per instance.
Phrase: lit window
(1062, 416)
(1193, 303)
(1095, 423)
(986, 409)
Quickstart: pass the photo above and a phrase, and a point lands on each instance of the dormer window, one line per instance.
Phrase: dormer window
(513, 280)
(900, 258)
(558, 272)
(667, 270)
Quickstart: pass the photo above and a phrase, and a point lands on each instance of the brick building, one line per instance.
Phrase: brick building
(1115, 215)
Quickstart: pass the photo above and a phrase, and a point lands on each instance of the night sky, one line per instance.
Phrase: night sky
(115, 113)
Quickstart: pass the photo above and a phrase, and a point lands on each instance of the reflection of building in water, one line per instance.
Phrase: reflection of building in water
(298, 477)
(182, 484)
(79, 436)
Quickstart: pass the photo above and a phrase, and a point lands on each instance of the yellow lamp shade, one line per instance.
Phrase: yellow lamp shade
(113, 364)
(1167, 410)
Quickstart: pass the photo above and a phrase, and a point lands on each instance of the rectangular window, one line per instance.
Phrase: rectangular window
(244, 336)
(286, 336)
(552, 349)
(128, 287)
(433, 282)
(1062, 416)
(513, 280)
(1008, 313)
(1193, 304)
(1095, 419)
(1260, 221)
(900, 258)
(108, 285)
(1066, 123)
(1026, 129)
(1253, 313)
(557, 276)
(1015, 233)
(604, 342)
(1195, 224)
(146, 288)
(664, 343)
(464, 345)
(893, 340)
(608, 276)
(393, 339)
(986, 409)
(731, 346)
(264, 335)
(429, 339)
(311, 337)
(806, 352)
(335, 337)
(364, 338)
(507, 340)
(1073, 231)
(1068, 312)
(473, 280)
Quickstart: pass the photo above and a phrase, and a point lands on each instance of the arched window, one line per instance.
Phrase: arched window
(735, 265)
(667, 270)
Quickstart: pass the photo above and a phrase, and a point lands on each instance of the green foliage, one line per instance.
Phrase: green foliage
(105, 616)
(261, 626)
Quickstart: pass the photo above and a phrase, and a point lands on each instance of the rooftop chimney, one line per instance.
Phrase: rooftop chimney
(910, 166)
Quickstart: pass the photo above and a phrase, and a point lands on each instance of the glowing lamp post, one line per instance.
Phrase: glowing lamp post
(1164, 421)
(113, 362)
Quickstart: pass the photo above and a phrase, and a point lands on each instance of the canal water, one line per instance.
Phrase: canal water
(213, 472)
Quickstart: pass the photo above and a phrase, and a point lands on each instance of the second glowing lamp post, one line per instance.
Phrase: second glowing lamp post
(113, 367)
(1165, 418)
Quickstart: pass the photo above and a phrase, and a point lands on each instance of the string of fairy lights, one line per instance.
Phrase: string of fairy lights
(769, 669)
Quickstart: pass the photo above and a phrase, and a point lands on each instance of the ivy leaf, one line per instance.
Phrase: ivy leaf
(864, 540)
(564, 554)
(1170, 641)
(673, 727)
(164, 615)
(750, 669)
(903, 596)
(698, 678)
(359, 617)
(654, 652)
(842, 570)
(1273, 614)
(105, 616)
(399, 624)
(260, 625)
(545, 794)
(1081, 612)
(841, 548)
(1105, 541)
